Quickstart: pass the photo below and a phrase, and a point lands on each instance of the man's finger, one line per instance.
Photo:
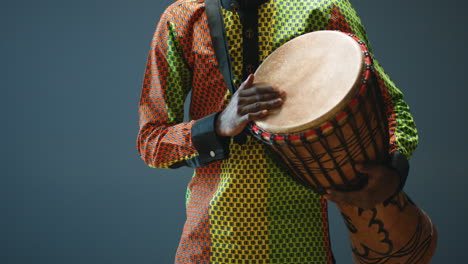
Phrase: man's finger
(259, 89)
(337, 197)
(255, 116)
(358, 199)
(258, 97)
(368, 168)
(247, 83)
(258, 106)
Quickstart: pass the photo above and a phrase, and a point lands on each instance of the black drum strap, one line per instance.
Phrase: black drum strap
(249, 20)
(248, 12)
(218, 36)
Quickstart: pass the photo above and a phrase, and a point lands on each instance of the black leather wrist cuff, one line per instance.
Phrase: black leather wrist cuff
(399, 162)
(209, 145)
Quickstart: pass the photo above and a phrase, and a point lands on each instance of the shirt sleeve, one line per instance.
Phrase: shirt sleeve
(164, 140)
(402, 128)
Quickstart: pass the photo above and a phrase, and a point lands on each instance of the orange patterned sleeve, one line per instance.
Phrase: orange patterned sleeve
(403, 134)
(164, 140)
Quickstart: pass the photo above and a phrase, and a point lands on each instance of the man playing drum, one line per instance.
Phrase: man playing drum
(242, 206)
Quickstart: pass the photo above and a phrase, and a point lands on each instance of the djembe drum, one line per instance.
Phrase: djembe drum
(333, 118)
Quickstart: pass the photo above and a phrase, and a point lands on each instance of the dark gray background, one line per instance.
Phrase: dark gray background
(73, 189)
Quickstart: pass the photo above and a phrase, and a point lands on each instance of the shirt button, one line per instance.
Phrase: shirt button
(212, 154)
(235, 7)
(250, 68)
(249, 33)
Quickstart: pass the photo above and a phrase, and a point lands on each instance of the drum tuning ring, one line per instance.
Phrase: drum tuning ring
(367, 54)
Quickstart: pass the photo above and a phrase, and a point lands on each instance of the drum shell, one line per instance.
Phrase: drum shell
(324, 157)
(393, 232)
(322, 152)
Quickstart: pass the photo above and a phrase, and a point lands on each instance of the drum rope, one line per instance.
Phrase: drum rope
(319, 187)
(378, 109)
(295, 171)
(316, 157)
(325, 144)
(355, 129)
(344, 144)
(368, 121)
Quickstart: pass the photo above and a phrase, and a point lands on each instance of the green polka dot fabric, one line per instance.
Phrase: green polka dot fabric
(245, 209)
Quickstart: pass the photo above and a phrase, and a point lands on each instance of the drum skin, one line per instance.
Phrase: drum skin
(332, 119)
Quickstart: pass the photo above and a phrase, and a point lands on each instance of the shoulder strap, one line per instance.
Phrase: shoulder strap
(218, 36)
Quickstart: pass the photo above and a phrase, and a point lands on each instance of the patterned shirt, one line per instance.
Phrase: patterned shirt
(241, 206)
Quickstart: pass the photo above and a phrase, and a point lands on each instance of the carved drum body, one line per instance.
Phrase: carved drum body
(333, 117)
(394, 232)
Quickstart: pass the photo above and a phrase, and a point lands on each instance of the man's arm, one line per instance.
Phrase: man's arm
(402, 128)
(164, 141)
(384, 180)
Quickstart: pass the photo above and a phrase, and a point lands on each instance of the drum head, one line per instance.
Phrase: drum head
(319, 71)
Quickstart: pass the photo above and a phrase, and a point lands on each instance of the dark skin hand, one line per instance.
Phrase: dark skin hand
(383, 182)
(249, 103)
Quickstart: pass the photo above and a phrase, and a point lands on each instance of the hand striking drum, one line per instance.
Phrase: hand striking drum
(331, 120)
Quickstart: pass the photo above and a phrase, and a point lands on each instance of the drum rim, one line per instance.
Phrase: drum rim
(337, 110)
(324, 122)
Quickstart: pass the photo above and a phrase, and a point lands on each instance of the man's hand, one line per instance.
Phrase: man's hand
(383, 182)
(250, 102)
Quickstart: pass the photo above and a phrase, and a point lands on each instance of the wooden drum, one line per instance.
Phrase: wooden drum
(333, 117)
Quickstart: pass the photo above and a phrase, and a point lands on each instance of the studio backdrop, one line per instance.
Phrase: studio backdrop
(73, 187)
